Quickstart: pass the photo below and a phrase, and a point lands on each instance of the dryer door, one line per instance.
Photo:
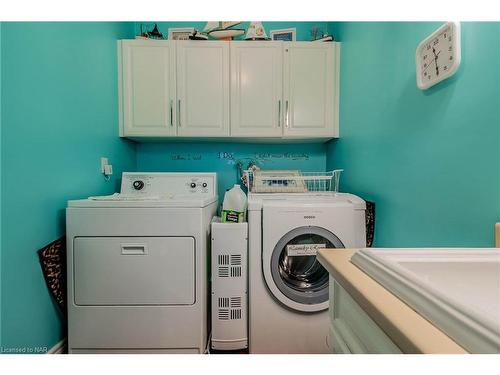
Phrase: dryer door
(292, 272)
(128, 271)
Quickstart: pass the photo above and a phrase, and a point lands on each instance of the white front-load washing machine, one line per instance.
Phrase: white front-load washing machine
(288, 287)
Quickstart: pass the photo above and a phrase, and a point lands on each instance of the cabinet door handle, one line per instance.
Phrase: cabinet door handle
(171, 113)
(287, 123)
(179, 112)
(279, 113)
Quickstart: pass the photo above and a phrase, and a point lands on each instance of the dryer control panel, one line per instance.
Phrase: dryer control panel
(169, 184)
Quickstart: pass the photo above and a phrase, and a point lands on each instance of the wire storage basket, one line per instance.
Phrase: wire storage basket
(294, 181)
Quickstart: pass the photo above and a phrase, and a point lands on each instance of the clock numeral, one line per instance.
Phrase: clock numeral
(436, 41)
(428, 47)
(425, 74)
(425, 56)
(449, 39)
(445, 35)
(445, 67)
(449, 48)
(451, 58)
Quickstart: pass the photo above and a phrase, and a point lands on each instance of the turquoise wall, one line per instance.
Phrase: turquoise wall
(429, 159)
(59, 116)
(303, 28)
(223, 158)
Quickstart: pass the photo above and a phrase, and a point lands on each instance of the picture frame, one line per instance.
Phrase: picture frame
(180, 33)
(286, 35)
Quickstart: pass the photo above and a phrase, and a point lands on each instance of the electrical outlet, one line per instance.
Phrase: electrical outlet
(108, 170)
(104, 162)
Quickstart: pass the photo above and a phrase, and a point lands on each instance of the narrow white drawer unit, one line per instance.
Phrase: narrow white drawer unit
(229, 286)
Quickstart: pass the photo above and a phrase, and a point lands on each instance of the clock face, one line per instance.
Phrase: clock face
(438, 56)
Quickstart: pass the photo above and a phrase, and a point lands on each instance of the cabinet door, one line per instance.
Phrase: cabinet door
(148, 88)
(256, 89)
(311, 89)
(353, 328)
(202, 88)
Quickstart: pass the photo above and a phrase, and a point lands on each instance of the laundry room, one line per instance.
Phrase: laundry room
(283, 186)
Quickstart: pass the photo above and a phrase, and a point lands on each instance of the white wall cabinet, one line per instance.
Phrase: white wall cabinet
(256, 89)
(311, 89)
(147, 88)
(202, 88)
(231, 90)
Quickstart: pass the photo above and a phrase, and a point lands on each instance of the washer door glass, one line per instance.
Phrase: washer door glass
(295, 269)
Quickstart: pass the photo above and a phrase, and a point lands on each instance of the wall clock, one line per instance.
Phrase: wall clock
(438, 55)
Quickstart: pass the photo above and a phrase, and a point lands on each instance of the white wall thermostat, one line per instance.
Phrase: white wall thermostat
(438, 55)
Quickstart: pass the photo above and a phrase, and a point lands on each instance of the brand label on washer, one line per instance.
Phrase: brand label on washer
(304, 249)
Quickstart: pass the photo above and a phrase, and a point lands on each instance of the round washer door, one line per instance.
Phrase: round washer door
(292, 272)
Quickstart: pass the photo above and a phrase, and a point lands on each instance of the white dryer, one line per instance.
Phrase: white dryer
(137, 265)
(288, 287)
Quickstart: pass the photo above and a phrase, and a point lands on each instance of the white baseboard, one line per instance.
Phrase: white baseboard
(58, 348)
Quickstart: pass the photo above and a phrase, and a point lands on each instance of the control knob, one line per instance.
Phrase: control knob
(204, 185)
(138, 184)
(193, 185)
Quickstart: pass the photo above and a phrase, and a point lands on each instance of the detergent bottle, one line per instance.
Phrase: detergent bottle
(234, 206)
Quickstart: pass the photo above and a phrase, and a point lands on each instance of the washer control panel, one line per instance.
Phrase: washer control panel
(169, 184)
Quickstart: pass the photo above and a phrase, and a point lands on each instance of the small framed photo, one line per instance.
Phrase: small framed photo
(286, 35)
(180, 33)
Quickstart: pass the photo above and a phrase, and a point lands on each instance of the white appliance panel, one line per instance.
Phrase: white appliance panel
(176, 185)
(134, 271)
